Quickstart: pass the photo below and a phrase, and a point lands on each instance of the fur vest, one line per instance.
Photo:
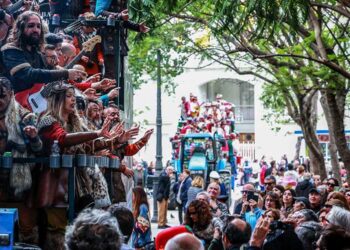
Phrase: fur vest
(16, 118)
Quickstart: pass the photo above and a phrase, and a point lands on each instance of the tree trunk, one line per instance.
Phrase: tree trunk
(297, 148)
(337, 117)
(318, 165)
(308, 123)
(332, 146)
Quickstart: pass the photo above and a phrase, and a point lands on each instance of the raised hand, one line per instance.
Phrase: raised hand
(143, 28)
(104, 131)
(94, 78)
(104, 152)
(90, 94)
(117, 130)
(107, 83)
(113, 93)
(260, 232)
(147, 135)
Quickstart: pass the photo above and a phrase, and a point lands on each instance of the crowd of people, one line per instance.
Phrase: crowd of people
(57, 89)
(214, 117)
(303, 213)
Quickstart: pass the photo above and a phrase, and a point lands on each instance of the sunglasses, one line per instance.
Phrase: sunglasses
(268, 183)
(331, 184)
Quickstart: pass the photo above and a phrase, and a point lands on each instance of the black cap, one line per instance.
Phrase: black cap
(303, 200)
(315, 190)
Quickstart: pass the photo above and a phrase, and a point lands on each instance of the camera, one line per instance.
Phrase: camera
(279, 225)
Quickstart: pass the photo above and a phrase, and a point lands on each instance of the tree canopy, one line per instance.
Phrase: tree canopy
(295, 47)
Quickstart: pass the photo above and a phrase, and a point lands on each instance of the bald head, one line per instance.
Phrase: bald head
(237, 233)
(68, 53)
(248, 187)
(184, 241)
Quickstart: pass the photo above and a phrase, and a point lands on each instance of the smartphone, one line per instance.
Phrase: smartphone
(252, 196)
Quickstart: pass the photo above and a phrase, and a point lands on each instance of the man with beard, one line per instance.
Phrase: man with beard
(22, 59)
(118, 191)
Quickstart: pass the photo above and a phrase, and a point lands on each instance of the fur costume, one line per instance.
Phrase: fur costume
(88, 180)
(16, 118)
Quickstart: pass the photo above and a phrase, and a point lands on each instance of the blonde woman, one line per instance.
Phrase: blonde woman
(197, 186)
(62, 123)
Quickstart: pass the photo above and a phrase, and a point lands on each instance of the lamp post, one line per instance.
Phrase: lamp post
(159, 164)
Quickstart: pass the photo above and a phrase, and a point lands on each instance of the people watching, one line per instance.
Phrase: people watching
(235, 234)
(308, 232)
(184, 241)
(333, 237)
(254, 213)
(199, 218)
(300, 203)
(272, 214)
(162, 196)
(315, 200)
(304, 186)
(271, 200)
(331, 184)
(269, 183)
(181, 196)
(195, 188)
(247, 189)
(287, 202)
(126, 223)
(217, 208)
(93, 229)
(141, 234)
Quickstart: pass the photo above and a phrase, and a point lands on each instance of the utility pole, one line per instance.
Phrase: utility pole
(159, 156)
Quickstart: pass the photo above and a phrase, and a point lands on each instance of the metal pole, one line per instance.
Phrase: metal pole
(117, 56)
(71, 194)
(159, 164)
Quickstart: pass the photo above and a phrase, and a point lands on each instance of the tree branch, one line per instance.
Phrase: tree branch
(329, 64)
(341, 11)
(189, 18)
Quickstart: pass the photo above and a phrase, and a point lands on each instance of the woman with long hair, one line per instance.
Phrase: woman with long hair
(199, 218)
(141, 234)
(287, 202)
(196, 187)
(61, 123)
(271, 201)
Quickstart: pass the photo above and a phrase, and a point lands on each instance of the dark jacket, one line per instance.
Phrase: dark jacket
(184, 188)
(163, 186)
(303, 188)
(25, 68)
